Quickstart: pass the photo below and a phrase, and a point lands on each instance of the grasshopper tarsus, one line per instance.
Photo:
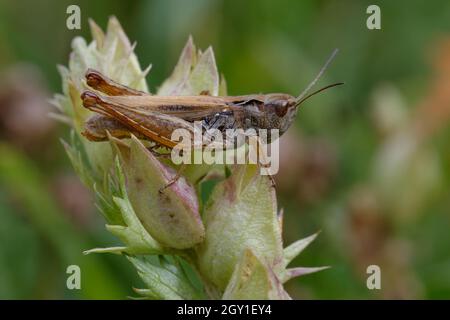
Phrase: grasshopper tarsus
(273, 184)
(171, 182)
(174, 179)
(271, 177)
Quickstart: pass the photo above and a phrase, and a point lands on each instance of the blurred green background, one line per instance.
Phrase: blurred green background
(366, 163)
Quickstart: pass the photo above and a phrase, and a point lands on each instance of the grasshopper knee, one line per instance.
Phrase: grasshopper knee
(90, 99)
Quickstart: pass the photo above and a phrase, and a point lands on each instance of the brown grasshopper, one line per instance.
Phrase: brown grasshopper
(122, 111)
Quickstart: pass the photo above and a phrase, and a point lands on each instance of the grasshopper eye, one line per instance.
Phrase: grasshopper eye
(281, 108)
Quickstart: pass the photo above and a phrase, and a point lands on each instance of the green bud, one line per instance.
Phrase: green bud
(241, 215)
(253, 280)
(171, 216)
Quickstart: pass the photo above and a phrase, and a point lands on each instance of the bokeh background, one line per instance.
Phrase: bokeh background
(366, 163)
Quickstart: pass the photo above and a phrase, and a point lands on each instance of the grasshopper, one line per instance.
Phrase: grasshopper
(123, 111)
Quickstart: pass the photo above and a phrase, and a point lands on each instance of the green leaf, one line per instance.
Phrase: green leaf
(117, 209)
(137, 241)
(164, 280)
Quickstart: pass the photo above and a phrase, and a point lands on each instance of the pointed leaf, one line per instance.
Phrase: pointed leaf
(294, 249)
(174, 84)
(300, 271)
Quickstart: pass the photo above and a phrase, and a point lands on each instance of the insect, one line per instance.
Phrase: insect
(122, 111)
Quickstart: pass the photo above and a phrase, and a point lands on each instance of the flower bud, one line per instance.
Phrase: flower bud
(241, 215)
(169, 214)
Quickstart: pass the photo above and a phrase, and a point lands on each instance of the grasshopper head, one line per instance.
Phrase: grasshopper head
(287, 106)
(280, 110)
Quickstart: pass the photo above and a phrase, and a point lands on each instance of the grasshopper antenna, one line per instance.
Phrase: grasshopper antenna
(317, 91)
(303, 96)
